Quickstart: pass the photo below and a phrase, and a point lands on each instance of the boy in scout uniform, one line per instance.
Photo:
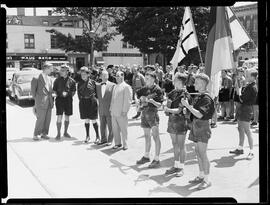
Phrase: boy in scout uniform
(202, 111)
(177, 123)
(64, 88)
(151, 97)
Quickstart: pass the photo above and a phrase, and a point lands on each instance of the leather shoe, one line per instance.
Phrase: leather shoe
(101, 143)
(117, 146)
(108, 144)
(44, 137)
(125, 148)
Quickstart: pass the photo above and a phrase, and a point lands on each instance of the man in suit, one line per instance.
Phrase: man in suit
(120, 105)
(41, 89)
(104, 94)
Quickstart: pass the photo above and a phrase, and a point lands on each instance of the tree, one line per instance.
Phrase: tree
(156, 29)
(93, 18)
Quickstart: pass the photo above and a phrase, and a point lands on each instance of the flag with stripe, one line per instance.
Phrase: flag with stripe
(187, 39)
(219, 48)
(239, 34)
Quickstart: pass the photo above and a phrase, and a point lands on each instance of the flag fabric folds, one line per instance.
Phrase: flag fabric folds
(187, 39)
(219, 48)
(239, 34)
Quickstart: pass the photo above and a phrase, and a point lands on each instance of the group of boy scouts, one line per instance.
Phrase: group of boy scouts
(111, 102)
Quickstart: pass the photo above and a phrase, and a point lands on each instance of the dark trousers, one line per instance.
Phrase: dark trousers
(43, 121)
(106, 120)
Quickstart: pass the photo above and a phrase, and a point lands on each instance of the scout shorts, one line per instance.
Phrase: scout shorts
(149, 118)
(64, 106)
(177, 124)
(200, 131)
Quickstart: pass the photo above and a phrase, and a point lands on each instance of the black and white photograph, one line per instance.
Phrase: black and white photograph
(133, 102)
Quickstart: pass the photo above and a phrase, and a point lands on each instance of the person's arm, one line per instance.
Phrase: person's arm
(142, 80)
(127, 100)
(34, 87)
(173, 111)
(157, 101)
(195, 112)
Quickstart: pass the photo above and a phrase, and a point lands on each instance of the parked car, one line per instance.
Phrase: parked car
(29, 68)
(9, 74)
(20, 88)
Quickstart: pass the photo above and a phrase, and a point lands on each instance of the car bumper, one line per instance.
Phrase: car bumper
(25, 97)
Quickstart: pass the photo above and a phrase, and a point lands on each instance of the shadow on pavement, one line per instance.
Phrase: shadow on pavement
(181, 190)
(228, 123)
(79, 142)
(24, 139)
(162, 178)
(116, 164)
(226, 161)
(256, 182)
(110, 151)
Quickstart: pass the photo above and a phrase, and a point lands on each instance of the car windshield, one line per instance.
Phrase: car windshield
(25, 78)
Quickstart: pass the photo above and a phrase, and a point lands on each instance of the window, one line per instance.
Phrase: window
(29, 41)
(124, 45)
(127, 45)
(53, 42)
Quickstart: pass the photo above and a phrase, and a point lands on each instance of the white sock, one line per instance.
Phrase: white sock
(147, 155)
(240, 147)
(181, 166)
(201, 175)
(156, 158)
(251, 151)
(176, 164)
(206, 178)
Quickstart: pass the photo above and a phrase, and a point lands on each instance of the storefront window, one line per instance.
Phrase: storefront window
(53, 42)
(29, 41)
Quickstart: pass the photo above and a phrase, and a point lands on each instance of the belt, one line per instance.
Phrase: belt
(87, 97)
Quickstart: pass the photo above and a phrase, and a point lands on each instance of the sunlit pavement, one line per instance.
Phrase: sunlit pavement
(70, 168)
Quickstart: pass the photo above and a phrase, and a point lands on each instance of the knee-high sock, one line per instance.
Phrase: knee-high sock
(58, 125)
(87, 128)
(95, 125)
(66, 126)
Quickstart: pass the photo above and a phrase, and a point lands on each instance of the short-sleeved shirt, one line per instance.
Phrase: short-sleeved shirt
(86, 89)
(154, 90)
(205, 105)
(64, 85)
(176, 95)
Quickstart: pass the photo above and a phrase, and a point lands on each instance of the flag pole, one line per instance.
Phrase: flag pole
(196, 36)
(244, 29)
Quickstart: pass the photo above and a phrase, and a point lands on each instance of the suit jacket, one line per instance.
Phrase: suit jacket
(121, 99)
(105, 101)
(42, 96)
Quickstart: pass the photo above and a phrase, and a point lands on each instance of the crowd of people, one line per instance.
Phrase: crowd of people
(108, 93)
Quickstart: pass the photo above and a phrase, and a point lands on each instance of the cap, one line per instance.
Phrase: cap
(84, 69)
(45, 65)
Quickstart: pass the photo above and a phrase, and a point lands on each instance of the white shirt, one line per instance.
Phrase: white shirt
(116, 87)
(103, 89)
(46, 79)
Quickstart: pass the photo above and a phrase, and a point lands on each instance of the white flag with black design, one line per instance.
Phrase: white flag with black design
(187, 38)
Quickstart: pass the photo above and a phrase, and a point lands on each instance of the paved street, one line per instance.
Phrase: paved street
(73, 169)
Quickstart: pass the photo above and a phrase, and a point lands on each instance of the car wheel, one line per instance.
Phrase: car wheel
(18, 102)
(10, 98)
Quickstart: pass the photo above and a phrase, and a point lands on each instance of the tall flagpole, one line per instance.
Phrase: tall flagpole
(195, 35)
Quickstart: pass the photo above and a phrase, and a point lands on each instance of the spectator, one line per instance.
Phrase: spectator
(256, 107)
(224, 96)
(110, 69)
(247, 100)
(138, 82)
(160, 74)
(128, 75)
(168, 85)
(190, 80)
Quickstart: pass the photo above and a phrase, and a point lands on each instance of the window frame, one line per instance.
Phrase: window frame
(29, 45)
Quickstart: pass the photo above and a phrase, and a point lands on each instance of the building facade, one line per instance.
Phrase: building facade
(29, 44)
(248, 16)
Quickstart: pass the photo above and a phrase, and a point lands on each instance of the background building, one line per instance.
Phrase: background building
(248, 16)
(29, 43)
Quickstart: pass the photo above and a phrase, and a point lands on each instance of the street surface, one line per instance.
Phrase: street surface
(69, 168)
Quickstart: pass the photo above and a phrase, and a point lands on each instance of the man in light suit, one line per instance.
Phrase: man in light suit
(104, 94)
(120, 105)
(41, 89)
